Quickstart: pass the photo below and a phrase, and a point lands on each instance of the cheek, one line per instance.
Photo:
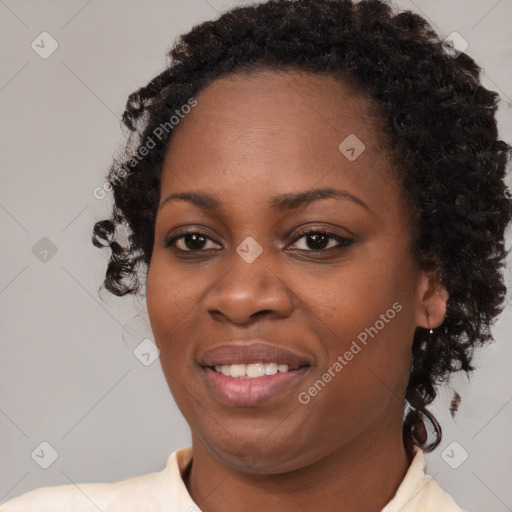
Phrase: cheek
(170, 300)
(169, 303)
(367, 313)
(362, 295)
(170, 297)
(364, 375)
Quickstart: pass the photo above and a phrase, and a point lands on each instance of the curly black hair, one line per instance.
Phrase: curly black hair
(439, 125)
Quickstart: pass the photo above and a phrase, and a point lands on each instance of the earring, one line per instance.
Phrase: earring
(427, 314)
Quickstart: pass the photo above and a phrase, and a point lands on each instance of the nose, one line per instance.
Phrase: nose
(247, 291)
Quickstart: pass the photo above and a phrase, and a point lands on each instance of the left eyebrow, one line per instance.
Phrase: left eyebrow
(291, 201)
(281, 203)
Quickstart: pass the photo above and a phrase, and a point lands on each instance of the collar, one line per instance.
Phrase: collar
(167, 492)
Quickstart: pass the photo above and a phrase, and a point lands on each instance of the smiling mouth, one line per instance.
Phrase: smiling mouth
(250, 385)
(249, 373)
(252, 370)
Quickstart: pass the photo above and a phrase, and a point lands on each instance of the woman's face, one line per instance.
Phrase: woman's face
(262, 161)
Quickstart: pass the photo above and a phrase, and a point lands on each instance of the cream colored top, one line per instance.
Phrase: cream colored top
(165, 491)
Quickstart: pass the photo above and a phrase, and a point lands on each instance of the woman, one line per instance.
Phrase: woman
(316, 203)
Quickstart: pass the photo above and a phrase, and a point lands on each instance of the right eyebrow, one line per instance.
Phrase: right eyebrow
(203, 201)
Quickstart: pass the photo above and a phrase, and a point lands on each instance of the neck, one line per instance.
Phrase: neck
(362, 477)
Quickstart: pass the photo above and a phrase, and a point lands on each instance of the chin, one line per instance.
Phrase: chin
(259, 456)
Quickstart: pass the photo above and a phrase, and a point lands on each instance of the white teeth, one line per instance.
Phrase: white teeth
(237, 370)
(251, 371)
(271, 369)
(255, 370)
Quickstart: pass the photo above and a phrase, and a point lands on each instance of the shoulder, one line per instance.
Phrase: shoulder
(420, 492)
(427, 496)
(433, 497)
(153, 491)
(82, 497)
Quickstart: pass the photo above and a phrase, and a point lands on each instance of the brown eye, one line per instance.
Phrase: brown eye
(317, 241)
(190, 242)
(321, 240)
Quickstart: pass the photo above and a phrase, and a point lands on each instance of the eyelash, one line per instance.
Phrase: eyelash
(343, 242)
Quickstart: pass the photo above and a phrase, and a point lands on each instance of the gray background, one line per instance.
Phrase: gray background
(68, 375)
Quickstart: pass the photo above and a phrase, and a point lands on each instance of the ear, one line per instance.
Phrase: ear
(432, 299)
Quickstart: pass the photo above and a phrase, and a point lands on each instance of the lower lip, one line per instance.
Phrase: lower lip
(246, 392)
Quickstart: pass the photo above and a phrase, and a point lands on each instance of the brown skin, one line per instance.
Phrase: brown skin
(252, 137)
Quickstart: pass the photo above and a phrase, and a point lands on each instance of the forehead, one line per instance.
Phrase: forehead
(290, 127)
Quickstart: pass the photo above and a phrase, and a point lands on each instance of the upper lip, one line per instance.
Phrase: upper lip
(251, 352)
